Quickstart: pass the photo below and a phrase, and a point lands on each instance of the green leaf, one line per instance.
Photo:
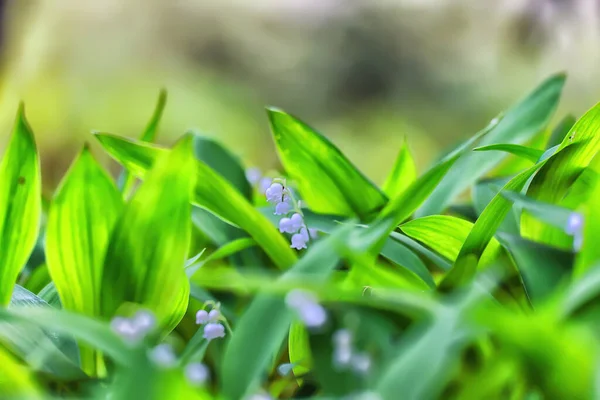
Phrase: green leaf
(90, 331)
(82, 216)
(263, 327)
(212, 192)
(483, 231)
(484, 191)
(299, 349)
(548, 213)
(20, 204)
(556, 177)
(149, 134)
(543, 268)
(126, 180)
(446, 236)
(50, 295)
(402, 256)
(224, 251)
(402, 174)
(525, 152)
(519, 124)
(561, 130)
(43, 350)
(149, 245)
(327, 181)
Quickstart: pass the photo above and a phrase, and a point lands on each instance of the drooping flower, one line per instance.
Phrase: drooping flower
(144, 321)
(197, 374)
(201, 317)
(283, 208)
(298, 241)
(361, 363)
(574, 224)
(163, 356)
(264, 184)
(214, 315)
(124, 328)
(574, 227)
(274, 193)
(297, 221)
(285, 225)
(312, 314)
(253, 175)
(213, 330)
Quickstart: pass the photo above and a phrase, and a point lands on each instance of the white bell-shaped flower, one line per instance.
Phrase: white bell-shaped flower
(283, 208)
(274, 193)
(201, 317)
(298, 241)
(213, 331)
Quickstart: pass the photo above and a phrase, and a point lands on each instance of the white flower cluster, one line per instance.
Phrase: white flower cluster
(163, 356)
(135, 328)
(212, 326)
(574, 228)
(312, 314)
(345, 356)
(281, 196)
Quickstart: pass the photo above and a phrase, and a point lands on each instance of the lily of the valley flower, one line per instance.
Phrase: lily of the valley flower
(135, 328)
(213, 330)
(212, 327)
(197, 374)
(163, 356)
(574, 228)
(312, 314)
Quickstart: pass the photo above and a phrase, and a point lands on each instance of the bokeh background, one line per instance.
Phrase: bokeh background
(365, 73)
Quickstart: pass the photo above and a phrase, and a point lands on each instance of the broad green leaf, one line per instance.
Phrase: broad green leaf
(43, 350)
(417, 247)
(402, 256)
(482, 194)
(525, 152)
(327, 181)
(402, 174)
(263, 327)
(50, 295)
(20, 204)
(519, 124)
(82, 216)
(556, 177)
(212, 192)
(446, 236)
(149, 245)
(222, 161)
(543, 268)
(587, 188)
(561, 130)
(548, 213)
(483, 231)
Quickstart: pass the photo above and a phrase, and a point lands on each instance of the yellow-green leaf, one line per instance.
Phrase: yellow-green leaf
(326, 179)
(82, 215)
(403, 173)
(148, 249)
(556, 177)
(446, 235)
(20, 204)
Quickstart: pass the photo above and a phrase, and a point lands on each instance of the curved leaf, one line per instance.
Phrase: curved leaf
(525, 152)
(327, 181)
(212, 192)
(82, 215)
(446, 235)
(149, 245)
(519, 124)
(556, 177)
(20, 204)
(402, 174)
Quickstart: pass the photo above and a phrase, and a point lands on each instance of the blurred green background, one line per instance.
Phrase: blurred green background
(365, 73)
